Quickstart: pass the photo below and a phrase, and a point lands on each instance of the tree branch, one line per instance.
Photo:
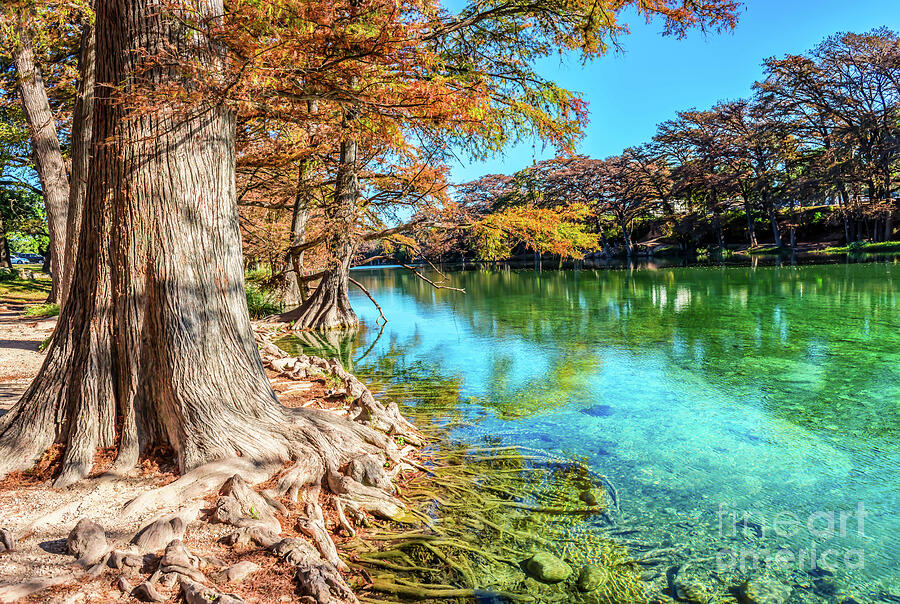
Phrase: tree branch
(393, 230)
(366, 292)
(427, 280)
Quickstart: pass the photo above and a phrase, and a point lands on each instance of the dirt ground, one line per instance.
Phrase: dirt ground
(40, 517)
(20, 338)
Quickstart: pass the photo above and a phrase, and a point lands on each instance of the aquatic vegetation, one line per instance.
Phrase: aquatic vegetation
(495, 516)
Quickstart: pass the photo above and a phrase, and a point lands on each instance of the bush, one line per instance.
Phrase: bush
(42, 311)
(261, 303)
(259, 275)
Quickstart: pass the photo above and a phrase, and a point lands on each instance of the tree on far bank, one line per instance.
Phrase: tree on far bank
(431, 83)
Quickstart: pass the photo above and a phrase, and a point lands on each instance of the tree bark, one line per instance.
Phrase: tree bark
(329, 305)
(5, 260)
(155, 346)
(295, 287)
(48, 159)
(751, 227)
(82, 125)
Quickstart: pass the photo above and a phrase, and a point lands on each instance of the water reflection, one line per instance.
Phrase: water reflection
(766, 389)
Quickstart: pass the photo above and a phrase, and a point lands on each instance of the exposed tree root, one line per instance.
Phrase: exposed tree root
(346, 456)
(364, 407)
(7, 541)
(159, 533)
(87, 542)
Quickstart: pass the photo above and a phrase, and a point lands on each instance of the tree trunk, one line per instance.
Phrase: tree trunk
(751, 227)
(295, 286)
(5, 260)
(329, 306)
(82, 124)
(626, 235)
(720, 236)
(793, 231)
(48, 159)
(155, 346)
(773, 219)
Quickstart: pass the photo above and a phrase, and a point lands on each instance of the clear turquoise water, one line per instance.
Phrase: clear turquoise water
(704, 394)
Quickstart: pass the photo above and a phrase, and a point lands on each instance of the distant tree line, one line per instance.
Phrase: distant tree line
(814, 154)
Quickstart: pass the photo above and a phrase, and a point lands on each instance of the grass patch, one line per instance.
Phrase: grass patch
(862, 246)
(42, 311)
(260, 275)
(261, 303)
(771, 249)
(15, 290)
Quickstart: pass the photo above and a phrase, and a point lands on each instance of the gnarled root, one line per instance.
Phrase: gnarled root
(87, 542)
(159, 533)
(7, 540)
(360, 498)
(197, 593)
(241, 506)
(364, 407)
(181, 563)
(313, 526)
(316, 578)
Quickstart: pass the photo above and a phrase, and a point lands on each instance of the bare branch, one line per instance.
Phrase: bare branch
(366, 292)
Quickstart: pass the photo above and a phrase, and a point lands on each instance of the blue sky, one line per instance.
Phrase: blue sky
(632, 91)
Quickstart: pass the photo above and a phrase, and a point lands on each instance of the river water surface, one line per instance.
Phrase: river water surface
(742, 413)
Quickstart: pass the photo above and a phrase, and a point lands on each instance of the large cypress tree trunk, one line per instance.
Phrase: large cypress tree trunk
(154, 346)
(48, 159)
(329, 306)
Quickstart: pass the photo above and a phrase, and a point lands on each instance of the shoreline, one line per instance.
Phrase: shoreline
(407, 572)
(38, 515)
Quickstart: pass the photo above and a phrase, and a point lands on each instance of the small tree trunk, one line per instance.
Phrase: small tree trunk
(626, 235)
(295, 286)
(5, 260)
(329, 306)
(773, 219)
(82, 124)
(717, 223)
(889, 226)
(751, 227)
(48, 159)
(793, 227)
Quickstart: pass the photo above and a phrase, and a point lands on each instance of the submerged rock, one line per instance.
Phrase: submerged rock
(589, 497)
(547, 568)
(599, 411)
(591, 577)
(693, 592)
(764, 590)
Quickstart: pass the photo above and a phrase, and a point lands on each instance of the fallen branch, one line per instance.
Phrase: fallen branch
(366, 292)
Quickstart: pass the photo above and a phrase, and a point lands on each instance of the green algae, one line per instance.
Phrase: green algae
(491, 511)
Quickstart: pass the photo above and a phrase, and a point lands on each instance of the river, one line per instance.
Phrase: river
(742, 413)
